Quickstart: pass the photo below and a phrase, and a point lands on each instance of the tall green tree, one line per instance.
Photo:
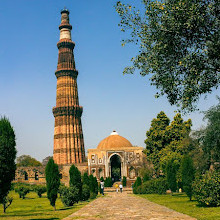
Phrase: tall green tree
(53, 181)
(27, 161)
(93, 184)
(188, 175)
(178, 43)
(177, 139)
(171, 172)
(155, 140)
(210, 136)
(85, 179)
(75, 178)
(7, 160)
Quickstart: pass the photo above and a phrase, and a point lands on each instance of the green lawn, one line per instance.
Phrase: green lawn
(181, 203)
(33, 207)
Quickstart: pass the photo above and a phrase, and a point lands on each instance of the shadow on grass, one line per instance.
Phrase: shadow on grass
(65, 208)
(43, 218)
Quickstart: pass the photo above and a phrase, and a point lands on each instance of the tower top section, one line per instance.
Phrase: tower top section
(65, 26)
(65, 11)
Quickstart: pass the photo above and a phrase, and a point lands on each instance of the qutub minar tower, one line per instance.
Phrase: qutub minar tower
(68, 135)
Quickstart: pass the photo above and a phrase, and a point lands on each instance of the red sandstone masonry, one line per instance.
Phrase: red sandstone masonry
(68, 135)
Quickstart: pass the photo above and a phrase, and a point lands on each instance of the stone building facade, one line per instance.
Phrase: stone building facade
(115, 157)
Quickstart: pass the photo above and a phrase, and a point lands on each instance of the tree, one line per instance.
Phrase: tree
(70, 195)
(138, 182)
(177, 141)
(53, 181)
(156, 138)
(188, 175)
(178, 44)
(7, 160)
(22, 190)
(40, 189)
(27, 161)
(167, 140)
(85, 179)
(171, 171)
(124, 181)
(93, 184)
(75, 178)
(210, 136)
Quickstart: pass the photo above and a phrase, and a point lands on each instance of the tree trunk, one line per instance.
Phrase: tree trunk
(54, 207)
(4, 207)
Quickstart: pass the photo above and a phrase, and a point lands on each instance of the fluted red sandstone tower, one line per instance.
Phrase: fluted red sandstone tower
(68, 135)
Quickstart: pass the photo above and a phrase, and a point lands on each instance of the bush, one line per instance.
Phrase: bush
(137, 183)
(39, 189)
(154, 186)
(22, 190)
(61, 189)
(171, 171)
(75, 178)
(124, 181)
(85, 179)
(93, 184)
(207, 189)
(188, 175)
(53, 181)
(85, 192)
(70, 195)
(108, 182)
(93, 195)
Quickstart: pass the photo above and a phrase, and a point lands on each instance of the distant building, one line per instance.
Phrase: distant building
(115, 157)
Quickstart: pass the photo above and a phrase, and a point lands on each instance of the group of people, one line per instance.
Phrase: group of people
(102, 186)
(118, 187)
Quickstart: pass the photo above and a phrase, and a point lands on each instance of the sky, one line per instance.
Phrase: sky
(110, 100)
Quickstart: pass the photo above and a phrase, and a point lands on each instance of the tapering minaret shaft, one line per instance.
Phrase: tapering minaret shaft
(68, 135)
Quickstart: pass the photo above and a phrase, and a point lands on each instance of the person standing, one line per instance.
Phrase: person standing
(120, 186)
(102, 187)
(116, 186)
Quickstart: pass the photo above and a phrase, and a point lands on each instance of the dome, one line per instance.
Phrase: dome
(114, 141)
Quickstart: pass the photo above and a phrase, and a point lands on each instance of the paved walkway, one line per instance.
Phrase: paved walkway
(123, 206)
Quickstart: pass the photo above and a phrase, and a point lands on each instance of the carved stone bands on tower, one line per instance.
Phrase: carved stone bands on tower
(68, 135)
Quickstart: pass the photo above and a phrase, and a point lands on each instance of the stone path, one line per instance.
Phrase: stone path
(123, 206)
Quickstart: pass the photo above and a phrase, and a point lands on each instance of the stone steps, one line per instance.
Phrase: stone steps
(113, 189)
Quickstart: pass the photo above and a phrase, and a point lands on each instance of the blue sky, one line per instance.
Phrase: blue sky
(111, 100)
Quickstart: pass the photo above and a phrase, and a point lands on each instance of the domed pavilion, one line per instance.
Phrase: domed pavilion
(115, 157)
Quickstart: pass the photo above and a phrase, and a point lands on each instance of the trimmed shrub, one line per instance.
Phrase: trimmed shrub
(85, 179)
(108, 182)
(124, 181)
(75, 178)
(22, 190)
(137, 183)
(70, 195)
(188, 175)
(171, 170)
(85, 192)
(53, 181)
(39, 189)
(62, 187)
(93, 195)
(93, 184)
(207, 189)
(154, 186)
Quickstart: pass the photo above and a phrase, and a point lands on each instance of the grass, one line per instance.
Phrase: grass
(33, 207)
(181, 203)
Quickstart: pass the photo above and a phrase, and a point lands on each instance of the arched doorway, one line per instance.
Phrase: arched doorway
(115, 168)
